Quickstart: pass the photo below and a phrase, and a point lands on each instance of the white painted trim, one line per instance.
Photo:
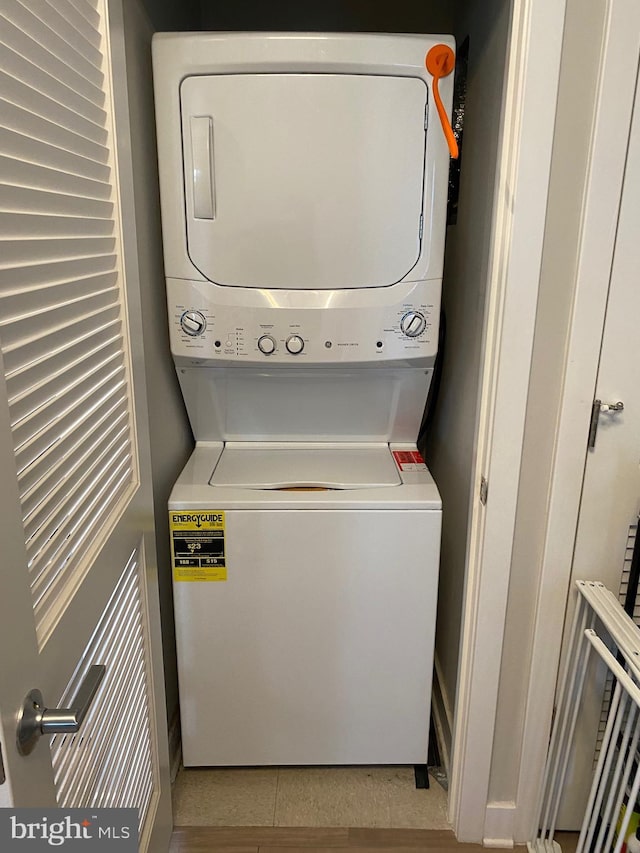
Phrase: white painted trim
(498, 825)
(516, 256)
(159, 822)
(606, 171)
(442, 716)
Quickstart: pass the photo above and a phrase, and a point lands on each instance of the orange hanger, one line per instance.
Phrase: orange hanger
(440, 62)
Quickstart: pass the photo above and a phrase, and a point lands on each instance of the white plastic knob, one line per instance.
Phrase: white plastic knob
(193, 323)
(266, 344)
(413, 324)
(295, 344)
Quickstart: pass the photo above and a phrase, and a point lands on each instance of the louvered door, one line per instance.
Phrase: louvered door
(77, 584)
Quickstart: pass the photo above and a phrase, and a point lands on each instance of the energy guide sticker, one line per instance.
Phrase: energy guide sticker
(197, 545)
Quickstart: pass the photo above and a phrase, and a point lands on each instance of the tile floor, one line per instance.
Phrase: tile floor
(310, 797)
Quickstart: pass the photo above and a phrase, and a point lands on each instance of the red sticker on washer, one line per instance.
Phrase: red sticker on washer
(409, 460)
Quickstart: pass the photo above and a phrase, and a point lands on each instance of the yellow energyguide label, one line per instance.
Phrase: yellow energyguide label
(198, 545)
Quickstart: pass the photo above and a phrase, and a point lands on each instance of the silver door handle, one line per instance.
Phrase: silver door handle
(34, 720)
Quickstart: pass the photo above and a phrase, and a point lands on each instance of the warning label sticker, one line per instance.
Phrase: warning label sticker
(197, 545)
(409, 460)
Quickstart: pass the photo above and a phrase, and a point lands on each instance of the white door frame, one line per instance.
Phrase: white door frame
(163, 820)
(616, 92)
(524, 165)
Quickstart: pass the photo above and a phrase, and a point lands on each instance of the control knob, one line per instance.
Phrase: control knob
(193, 323)
(413, 324)
(294, 344)
(266, 345)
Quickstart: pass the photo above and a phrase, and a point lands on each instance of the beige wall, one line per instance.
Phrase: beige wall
(581, 50)
(450, 447)
(171, 440)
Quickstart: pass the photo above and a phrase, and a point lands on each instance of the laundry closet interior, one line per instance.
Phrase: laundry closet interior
(481, 31)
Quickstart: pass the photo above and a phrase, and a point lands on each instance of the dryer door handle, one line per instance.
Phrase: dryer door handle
(204, 196)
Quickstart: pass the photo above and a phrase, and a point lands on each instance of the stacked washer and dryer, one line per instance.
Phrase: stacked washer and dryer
(303, 188)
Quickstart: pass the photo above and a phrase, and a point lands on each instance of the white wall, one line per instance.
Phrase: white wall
(581, 50)
(450, 446)
(171, 439)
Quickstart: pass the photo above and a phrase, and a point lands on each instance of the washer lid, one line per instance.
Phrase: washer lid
(304, 181)
(311, 467)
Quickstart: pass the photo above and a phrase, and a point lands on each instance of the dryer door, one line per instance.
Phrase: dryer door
(304, 181)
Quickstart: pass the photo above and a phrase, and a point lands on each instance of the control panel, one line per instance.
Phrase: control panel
(205, 329)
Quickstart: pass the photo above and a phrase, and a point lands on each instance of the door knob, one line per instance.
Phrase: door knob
(35, 720)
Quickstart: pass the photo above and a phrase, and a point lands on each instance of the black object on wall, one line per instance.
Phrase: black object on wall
(457, 123)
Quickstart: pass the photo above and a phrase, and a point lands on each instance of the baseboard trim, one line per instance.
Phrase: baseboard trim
(175, 745)
(499, 824)
(442, 716)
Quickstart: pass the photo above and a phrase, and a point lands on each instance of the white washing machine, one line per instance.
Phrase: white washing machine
(303, 188)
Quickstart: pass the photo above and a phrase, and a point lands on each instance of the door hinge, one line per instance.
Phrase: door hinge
(421, 225)
(484, 490)
(426, 116)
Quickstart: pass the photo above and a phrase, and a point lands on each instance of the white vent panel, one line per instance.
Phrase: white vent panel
(110, 762)
(61, 300)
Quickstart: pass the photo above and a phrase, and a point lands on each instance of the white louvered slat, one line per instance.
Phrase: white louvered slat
(98, 378)
(79, 22)
(60, 316)
(20, 146)
(68, 416)
(30, 251)
(27, 277)
(38, 128)
(51, 87)
(21, 41)
(37, 226)
(48, 576)
(71, 777)
(59, 458)
(68, 53)
(28, 388)
(125, 672)
(54, 341)
(110, 762)
(19, 172)
(42, 545)
(29, 200)
(65, 472)
(52, 509)
(23, 304)
(31, 100)
(61, 299)
(88, 9)
(50, 15)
